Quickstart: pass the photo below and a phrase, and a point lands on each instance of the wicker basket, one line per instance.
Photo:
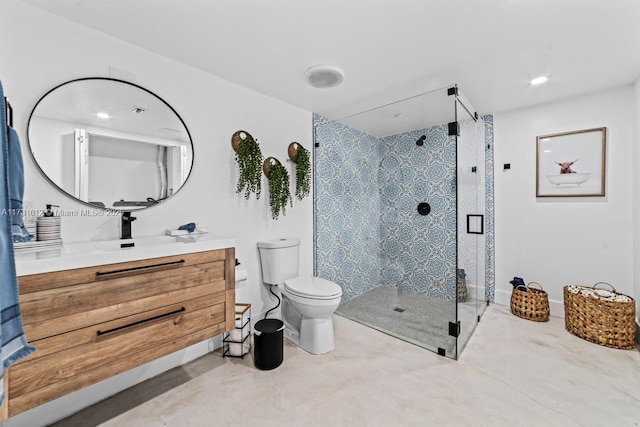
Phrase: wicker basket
(602, 321)
(463, 291)
(530, 303)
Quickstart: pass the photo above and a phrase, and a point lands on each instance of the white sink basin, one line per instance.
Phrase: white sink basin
(115, 245)
(87, 254)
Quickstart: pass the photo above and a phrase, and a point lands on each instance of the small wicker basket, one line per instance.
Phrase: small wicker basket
(600, 320)
(463, 292)
(461, 285)
(530, 303)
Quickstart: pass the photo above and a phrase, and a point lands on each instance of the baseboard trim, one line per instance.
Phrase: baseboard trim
(556, 308)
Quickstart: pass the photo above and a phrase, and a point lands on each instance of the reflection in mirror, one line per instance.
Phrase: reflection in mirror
(110, 143)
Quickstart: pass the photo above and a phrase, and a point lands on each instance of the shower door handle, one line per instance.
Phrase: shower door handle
(475, 224)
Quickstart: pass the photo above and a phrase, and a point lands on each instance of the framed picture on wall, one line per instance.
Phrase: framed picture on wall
(571, 164)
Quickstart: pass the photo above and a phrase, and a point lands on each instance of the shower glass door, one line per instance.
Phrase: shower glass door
(471, 178)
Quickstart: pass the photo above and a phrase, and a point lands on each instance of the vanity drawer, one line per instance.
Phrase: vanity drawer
(84, 297)
(59, 279)
(71, 361)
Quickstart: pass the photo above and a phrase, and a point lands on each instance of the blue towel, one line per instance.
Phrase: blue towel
(14, 343)
(189, 227)
(16, 188)
(518, 283)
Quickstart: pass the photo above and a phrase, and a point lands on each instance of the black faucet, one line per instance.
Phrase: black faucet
(125, 227)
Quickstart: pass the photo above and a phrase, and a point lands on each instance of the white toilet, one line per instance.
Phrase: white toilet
(307, 302)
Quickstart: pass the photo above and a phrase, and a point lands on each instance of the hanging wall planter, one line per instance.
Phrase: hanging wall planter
(300, 156)
(249, 158)
(279, 194)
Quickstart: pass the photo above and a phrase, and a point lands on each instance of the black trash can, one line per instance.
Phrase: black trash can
(268, 346)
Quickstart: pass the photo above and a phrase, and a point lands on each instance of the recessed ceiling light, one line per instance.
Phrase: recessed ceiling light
(324, 76)
(103, 115)
(539, 80)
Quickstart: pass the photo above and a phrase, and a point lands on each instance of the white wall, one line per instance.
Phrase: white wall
(559, 241)
(39, 51)
(636, 195)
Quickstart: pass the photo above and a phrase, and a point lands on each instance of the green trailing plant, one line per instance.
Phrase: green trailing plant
(249, 158)
(303, 173)
(279, 194)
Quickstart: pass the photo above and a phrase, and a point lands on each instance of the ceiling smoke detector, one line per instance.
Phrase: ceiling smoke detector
(324, 76)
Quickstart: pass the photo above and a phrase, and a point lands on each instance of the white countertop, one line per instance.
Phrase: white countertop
(88, 254)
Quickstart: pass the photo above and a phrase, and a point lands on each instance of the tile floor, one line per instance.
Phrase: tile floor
(513, 372)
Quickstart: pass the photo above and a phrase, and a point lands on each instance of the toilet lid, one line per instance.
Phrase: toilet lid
(312, 287)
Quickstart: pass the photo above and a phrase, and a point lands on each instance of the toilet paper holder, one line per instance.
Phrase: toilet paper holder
(241, 273)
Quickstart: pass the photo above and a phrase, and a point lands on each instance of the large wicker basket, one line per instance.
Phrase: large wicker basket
(530, 303)
(600, 320)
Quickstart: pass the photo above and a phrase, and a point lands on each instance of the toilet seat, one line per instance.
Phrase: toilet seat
(312, 288)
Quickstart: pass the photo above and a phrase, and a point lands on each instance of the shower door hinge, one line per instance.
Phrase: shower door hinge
(454, 129)
(478, 318)
(454, 329)
(452, 91)
(442, 351)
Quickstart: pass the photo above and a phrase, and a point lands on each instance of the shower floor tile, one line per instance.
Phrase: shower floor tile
(415, 318)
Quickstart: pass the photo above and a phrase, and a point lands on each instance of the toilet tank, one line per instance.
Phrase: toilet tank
(279, 259)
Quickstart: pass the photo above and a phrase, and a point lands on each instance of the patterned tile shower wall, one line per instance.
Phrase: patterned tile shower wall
(367, 229)
(347, 207)
(490, 210)
(418, 252)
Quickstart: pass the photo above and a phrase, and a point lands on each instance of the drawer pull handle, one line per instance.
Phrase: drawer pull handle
(160, 316)
(144, 267)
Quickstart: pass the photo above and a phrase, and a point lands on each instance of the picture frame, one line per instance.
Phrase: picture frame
(571, 164)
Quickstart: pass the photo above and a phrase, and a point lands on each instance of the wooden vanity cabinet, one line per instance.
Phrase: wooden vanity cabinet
(89, 324)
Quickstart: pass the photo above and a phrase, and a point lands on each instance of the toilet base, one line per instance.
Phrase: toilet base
(312, 334)
(315, 336)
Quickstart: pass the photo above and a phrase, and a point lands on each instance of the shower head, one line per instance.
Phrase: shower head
(420, 141)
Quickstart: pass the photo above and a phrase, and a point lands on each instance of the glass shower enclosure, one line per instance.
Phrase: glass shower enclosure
(401, 220)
